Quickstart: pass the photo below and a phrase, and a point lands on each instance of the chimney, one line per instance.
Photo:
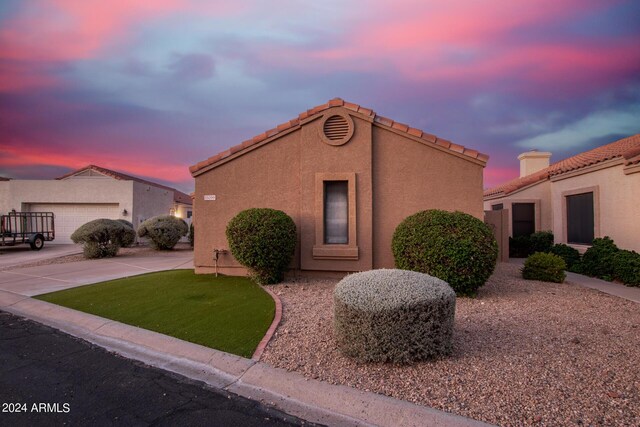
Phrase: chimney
(533, 161)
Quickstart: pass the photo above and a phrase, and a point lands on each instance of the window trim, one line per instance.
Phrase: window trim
(596, 213)
(348, 251)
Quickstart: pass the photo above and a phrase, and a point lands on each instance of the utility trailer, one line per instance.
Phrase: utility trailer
(33, 228)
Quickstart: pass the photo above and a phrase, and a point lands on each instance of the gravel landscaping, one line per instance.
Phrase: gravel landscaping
(525, 353)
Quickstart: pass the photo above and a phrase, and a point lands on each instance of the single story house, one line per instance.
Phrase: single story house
(90, 193)
(593, 194)
(346, 176)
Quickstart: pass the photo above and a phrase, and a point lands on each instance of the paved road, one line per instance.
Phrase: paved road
(44, 366)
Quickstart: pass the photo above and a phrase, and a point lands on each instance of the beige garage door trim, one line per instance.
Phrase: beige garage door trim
(69, 216)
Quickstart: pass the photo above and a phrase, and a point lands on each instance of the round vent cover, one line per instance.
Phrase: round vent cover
(337, 129)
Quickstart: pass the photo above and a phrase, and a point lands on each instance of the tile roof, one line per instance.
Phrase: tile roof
(337, 102)
(626, 148)
(178, 196)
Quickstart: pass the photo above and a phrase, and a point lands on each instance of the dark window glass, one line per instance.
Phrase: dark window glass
(336, 212)
(497, 207)
(523, 219)
(189, 213)
(580, 218)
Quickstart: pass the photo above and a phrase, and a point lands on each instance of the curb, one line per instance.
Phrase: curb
(309, 399)
(272, 329)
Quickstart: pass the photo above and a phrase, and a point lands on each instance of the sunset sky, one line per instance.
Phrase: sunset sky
(152, 87)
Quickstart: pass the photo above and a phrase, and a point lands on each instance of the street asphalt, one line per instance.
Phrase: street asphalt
(51, 378)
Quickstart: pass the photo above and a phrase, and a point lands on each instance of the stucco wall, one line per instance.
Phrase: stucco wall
(268, 177)
(409, 177)
(540, 194)
(149, 201)
(616, 205)
(22, 192)
(394, 177)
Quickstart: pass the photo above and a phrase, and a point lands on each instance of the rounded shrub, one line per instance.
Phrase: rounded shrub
(570, 255)
(453, 246)
(393, 316)
(626, 267)
(101, 237)
(597, 261)
(541, 241)
(191, 235)
(545, 267)
(163, 231)
(263, 240)
(130, 235)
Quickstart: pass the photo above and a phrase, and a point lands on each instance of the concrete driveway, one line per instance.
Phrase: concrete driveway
(32, 281)
(11, 256)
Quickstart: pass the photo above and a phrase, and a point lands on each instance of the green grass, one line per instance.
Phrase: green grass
(231, 314)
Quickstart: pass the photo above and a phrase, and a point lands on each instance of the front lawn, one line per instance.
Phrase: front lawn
(231, 314)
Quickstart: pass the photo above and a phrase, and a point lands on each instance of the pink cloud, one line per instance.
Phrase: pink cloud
(30, 155)
(495, 175)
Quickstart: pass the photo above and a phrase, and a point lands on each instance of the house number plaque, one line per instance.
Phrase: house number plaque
(209, 196)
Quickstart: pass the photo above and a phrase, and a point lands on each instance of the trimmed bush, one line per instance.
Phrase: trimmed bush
(263, 240)
(570, 255)
(453, 246)
(163, 231)
(393, 316)
(545, 267)
(101, 237)
(626, 267)
(130, 235)
(597, 261)
(519, 246)
(541, 241)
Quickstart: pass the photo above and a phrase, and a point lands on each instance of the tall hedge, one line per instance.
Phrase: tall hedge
(453, 246)
(263, 240)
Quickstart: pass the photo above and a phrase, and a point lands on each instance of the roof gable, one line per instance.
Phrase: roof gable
(313, 113)
(626, 148)
(91, 170)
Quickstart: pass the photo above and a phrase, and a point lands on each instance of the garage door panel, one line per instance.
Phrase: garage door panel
(68, 217)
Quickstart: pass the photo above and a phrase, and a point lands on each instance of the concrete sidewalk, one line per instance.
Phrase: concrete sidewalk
(611, 288)
(290, 392)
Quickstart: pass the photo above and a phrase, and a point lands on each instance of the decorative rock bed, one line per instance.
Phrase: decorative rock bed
(394, 316)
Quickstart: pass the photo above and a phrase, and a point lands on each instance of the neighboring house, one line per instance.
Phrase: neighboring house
(593, 194)
(91, 193)
(346, 176)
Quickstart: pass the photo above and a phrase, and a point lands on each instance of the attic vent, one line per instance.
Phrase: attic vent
(336, 128)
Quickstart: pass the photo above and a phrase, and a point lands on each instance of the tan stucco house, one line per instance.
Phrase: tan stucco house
(593, 194)
(90, 193)
(346, 175)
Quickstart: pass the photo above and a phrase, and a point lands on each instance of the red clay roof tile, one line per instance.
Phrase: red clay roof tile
(415, 132)
(337, 102)
(400, 126)
(621, 148)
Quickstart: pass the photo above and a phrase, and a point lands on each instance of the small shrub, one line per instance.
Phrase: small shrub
(453, 246)
(393, 316)
(626, 267)
(597, 261)
(570, 255)
(263, 240)
(164, 231)
(130, 235)
(519, 246)
(545, 267)
(541, 241)
(101, 237)
(191, 235)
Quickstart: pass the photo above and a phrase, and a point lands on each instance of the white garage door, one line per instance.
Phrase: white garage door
(68, 217)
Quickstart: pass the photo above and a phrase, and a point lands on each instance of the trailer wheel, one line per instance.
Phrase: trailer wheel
(37, 243)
